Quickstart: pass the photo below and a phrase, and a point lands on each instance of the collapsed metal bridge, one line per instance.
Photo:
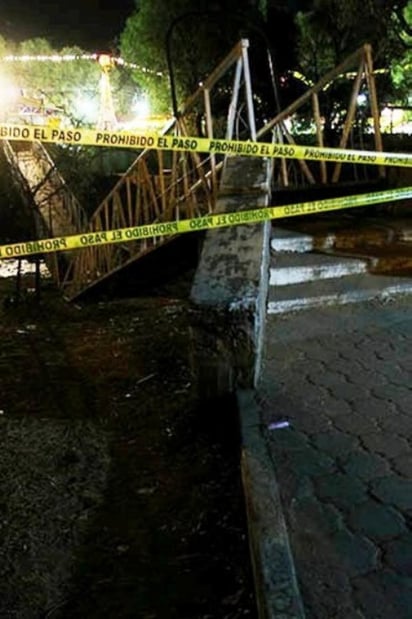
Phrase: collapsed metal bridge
(164, 186)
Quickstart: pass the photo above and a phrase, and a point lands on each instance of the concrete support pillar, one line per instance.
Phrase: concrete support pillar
(231, 282)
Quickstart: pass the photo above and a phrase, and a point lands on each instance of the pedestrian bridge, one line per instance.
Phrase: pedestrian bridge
(165, 186)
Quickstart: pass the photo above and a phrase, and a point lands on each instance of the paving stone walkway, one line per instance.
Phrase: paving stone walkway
(342, 378)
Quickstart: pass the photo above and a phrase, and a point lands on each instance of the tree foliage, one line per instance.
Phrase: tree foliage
(401, 69)
(64, 84)
(61, 85)
(4, 48)
(197, 35)
(333, 29)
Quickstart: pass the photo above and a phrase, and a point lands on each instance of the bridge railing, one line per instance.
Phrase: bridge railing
(73, 217)
(358, 67)
(56, 209)
(47, 186)
(167, 185)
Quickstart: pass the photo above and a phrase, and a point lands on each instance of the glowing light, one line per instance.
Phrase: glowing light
(50, 58)
(395, 120)
(105, 61)
(141, 107)
(73, 57)
(155, 123)
(9, 93)
(87, 108)
(302, 78)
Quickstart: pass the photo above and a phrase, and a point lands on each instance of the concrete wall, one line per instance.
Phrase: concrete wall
(231, 281)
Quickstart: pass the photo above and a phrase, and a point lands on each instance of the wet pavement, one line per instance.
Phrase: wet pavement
(340, 378)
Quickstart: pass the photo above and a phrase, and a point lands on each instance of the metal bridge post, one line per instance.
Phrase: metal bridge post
(370, 78)
(248, 88)
(233, 103)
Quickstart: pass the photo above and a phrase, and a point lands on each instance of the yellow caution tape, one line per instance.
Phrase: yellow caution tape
(208, 222)
(128, 139)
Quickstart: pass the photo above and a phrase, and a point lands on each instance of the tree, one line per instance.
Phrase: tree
(4, 47)
(200, 35)
(53, 83)
(69, 85)
(401, 69)
(331, 30)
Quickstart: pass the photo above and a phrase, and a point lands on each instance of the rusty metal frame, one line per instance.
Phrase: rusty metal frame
(362, 59)
(57, 210)
(160, 186)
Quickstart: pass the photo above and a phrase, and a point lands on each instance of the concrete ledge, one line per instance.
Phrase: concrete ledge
(323, 292)
(276, 588)
(289, 269)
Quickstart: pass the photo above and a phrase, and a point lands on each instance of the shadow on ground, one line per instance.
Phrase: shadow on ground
(122, 484)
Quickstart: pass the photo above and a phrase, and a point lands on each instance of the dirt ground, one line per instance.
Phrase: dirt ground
(120, 485)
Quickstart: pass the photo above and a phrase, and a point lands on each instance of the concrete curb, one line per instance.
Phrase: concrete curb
(276, 587)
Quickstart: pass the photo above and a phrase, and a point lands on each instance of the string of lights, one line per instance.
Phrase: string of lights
(73, 57)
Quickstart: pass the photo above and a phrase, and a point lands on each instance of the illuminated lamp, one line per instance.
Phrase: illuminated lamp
(105, 61)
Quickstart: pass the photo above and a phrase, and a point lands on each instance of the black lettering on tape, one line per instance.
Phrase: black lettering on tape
(184, 144)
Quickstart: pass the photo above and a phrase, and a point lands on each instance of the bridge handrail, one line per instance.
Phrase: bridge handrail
(162, 185)
(76, 213)
(362, 56)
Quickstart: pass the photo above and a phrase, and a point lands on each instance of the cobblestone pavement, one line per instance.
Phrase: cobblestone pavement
(342, 377)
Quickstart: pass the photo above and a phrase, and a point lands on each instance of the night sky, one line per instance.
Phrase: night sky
(92, 24)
